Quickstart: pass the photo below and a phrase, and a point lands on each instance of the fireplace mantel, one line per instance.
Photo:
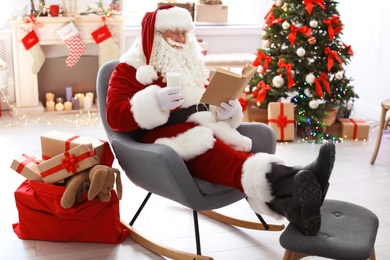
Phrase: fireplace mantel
(26, 83)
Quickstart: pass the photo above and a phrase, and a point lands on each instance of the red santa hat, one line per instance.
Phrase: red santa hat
(166, 17)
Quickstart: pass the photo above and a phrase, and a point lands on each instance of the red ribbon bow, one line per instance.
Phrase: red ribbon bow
(325, 82)
(32, 20)
(69, 163)
(294, 30)
(262, 93)
(309, 4)
(281, 121)
(262, 57)
(335, 20)
(332, 54)
(288, 68)
(270, 16)
(348, 49)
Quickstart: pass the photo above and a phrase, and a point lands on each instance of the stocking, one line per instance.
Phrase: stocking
(69, 34)
(31, 43)
(108, 50)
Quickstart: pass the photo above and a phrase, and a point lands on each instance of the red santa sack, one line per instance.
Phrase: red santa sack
(41, 217)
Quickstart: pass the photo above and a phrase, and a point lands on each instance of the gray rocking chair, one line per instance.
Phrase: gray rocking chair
(172, 180)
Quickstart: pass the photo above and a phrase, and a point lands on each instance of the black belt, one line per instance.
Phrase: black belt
(182, 114)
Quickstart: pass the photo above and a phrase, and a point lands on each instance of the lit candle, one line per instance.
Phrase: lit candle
(59, 100)
(173, 79)
(68, 92)
(59, 106)
(68, 105)
(80, 97)
(50, 106)
(88, 102)
(49, 96)
(75, 103)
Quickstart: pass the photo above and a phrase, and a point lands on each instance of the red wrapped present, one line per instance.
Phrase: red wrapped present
(354, 128)
(27, 166)
(56, 142)
(41, 216)
(68, 163)
(281, 119)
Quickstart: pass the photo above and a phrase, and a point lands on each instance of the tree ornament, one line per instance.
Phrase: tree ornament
(301, 52)
(312, 40)
(285, 7)
(310, 78)
(313, 104)
(339, 75)
(313, 23)
(260, 69)
(279, 3)
(258, 103)
(286, 25)
(308, 93)
(278, 81)
(266, 43)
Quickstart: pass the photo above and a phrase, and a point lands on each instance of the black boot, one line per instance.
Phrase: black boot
(303, 208)
(322, 166)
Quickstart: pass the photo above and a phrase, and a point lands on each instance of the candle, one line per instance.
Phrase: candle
(68, 105)
(80, 97)
(50, 106)
(68, 91)
(49, 96)
(88, 102)
(173, 79)
(59, 106)
(59, 100)
(90, 95)
(75, 103)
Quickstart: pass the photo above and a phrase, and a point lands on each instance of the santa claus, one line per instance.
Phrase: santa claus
(205, 135)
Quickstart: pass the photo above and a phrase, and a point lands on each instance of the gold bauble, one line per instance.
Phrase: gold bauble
(285, 7)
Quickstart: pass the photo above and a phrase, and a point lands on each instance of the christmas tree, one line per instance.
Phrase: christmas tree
(303, 60)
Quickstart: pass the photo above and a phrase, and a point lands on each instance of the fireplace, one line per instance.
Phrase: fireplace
(30, 88)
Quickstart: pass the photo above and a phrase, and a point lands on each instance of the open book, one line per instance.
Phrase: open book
(226, 85)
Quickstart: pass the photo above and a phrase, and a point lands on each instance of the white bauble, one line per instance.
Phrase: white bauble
(313, 23)
(260, 69)
(310, 78)
(301, 52)
(313, 104)
(278, 81)
(308, 93)
(279, 3)
(339, 75)
(286, 25)
(266, 43)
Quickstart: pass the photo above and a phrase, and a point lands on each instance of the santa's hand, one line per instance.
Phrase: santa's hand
(226, 110)
(170, 98)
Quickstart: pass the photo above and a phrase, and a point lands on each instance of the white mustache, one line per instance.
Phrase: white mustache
(174, 43)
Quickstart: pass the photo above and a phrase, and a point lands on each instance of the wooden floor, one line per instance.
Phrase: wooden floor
(353, 180)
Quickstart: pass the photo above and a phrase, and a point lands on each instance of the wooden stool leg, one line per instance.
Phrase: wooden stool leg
(291, 255)
(372, 256)
(380, 132)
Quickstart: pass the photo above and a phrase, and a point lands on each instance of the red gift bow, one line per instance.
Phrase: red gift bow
(309, 4)
(275, 21)
(281, 121)
(332, 31)
(270, 16)
(348, 48)
(32, 20)
(288, 67)
(332, 54)
(69, 163)
(260, 57)
(263, 91)
(324, 79)
(355, 125)
(25, 162)
(61, 166)
(294, 30)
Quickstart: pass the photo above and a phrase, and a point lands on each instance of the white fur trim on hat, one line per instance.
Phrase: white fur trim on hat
(256, 185)
(174, 18)
(146, 74)
(146, 110)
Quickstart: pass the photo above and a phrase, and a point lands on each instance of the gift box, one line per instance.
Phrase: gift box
(56, 142)
(354, 128)
(330, 116)
(334, 130)
(68, 163)
(281, 119)
(211, 13)
(255, 113)
(27, 166)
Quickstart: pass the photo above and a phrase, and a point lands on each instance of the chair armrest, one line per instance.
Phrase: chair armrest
(263, 136)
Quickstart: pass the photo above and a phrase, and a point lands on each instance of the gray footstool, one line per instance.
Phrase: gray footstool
(348, 231)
